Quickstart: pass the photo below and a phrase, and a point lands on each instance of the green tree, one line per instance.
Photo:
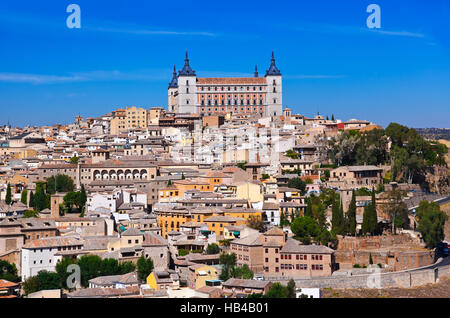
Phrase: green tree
(228, 261)
(90, 267)
(31, 202)
(298, 184)
(126, 267)
(8, 198)
(431, 223)
(61, 270)
(144, 267)
(44, 280)
(242, 165)
(305, 228)
(351, 216)
(59, 183)
(277, 291)
(40, 199)
(30, 214)
(337, 220)
(243, 272)
(74, 160)
(24, 197)
(291, 290)
(8, 271)
(246, 272)
(397, 210)
(74, 199)
(83, 195)
(365, 225)
(30, 285)
(212, 249)
(110, 266)
(309, 209)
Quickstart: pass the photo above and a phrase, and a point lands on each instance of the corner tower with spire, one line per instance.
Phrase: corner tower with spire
(274, 89)
(173, 92)
(187, 88)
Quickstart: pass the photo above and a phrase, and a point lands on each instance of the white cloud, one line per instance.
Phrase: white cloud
(142, 31)
(38, 79)
(400, 33)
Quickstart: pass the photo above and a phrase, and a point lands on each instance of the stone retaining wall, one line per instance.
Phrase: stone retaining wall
(404, 279)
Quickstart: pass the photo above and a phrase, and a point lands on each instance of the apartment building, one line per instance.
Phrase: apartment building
(44, 254)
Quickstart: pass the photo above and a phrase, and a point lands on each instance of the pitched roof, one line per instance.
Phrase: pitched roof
(152, 239)
(253, 239)
(56, 241)
(132, 232)
(294, 246)
(274, 231)
(231, 80)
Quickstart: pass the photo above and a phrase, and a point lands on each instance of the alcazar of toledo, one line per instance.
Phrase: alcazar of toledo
(238, 96)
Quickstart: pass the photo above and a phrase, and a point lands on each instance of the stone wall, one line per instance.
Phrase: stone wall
(368, 242)
(405, 279)
(395, 252)
(393, 259)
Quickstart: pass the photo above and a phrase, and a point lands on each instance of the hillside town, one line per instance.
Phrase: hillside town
(225, 192)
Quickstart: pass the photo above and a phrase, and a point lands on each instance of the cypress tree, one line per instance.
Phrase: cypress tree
(309, 210)
(341, 219)
(335, 221)
(332, 117)
(366, 226)
(24, 197)
(40, 199)
(83, 198)
(351, 215)
(31, 203)
(8, 199)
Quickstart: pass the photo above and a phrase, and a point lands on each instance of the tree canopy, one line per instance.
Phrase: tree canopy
(144, 267)
(8, 197)
(431, 223)
(60, 183)
(212, 249)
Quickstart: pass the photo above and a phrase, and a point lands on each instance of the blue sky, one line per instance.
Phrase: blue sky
(125, 51)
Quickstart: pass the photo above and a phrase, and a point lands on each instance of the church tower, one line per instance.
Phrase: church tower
(173, 92)
(274, 89)
(187, 88)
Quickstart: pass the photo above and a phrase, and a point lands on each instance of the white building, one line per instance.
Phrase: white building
(100, 200)
(242, 96)
(44, 254)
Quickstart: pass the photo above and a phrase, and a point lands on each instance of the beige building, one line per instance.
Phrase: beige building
(118, 122)
(355, 177)
(250, 190)
(200, 275)
(136, 117)
(289, 257)
(249, 251)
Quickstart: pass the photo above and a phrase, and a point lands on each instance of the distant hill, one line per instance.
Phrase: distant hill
(434, 133)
